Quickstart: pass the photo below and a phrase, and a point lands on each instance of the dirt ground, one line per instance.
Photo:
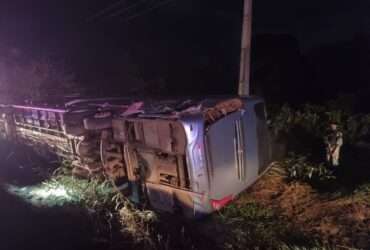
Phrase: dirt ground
(342, 222)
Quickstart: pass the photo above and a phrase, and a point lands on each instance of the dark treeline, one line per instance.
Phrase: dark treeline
(283, 73)
(184, 48)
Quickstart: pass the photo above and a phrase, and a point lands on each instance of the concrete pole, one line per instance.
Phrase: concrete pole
(245, 55)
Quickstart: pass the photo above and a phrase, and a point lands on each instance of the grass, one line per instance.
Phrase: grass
(62, 190)
(244, 225)
(252, 226)
(116, 221)
(121, 225)
(114, 218)
(362, 193)
(299, 168)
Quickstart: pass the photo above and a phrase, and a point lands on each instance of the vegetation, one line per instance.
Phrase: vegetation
(252, 226)
(274, 215)
(114, 220)
(313, 120)
(243, 225)
(299, 168)
(362, 193)
(303, 129)
(35, 79)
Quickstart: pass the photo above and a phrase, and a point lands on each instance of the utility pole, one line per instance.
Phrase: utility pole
(245, 55)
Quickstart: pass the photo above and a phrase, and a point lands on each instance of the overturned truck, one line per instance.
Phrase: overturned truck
(189, 156)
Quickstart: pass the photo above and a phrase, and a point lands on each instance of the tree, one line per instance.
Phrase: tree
(35, 79)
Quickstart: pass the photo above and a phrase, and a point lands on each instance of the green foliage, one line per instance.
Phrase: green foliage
(34, 79)
(314, 120)
(252, 226)
(61, 190)
(110, 212)
(362, 193)
(284, 119)
(87, 193)
(138, 223)
(299, 168)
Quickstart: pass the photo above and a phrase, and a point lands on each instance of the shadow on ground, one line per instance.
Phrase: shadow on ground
(24, 226)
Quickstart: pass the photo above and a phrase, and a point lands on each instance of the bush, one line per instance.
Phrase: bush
(252, 226)
(314, 121)
(363, 192)
(139, 224)
(299, 168)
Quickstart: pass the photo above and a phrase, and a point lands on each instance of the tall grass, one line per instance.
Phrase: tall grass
(253, 226)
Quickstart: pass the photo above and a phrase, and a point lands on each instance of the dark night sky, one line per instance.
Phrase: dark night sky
(311, 21)
(170, 39)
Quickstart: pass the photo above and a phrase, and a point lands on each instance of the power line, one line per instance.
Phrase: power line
(105, 10)
(144, 12)
(121, 11)
(125, 9)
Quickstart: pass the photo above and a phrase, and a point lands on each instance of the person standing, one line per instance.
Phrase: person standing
(333, 142)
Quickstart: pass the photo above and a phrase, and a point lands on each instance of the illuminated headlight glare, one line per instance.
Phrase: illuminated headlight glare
(52, 192)
(42, 195)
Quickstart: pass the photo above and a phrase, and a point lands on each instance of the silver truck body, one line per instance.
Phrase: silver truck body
(188, 156)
